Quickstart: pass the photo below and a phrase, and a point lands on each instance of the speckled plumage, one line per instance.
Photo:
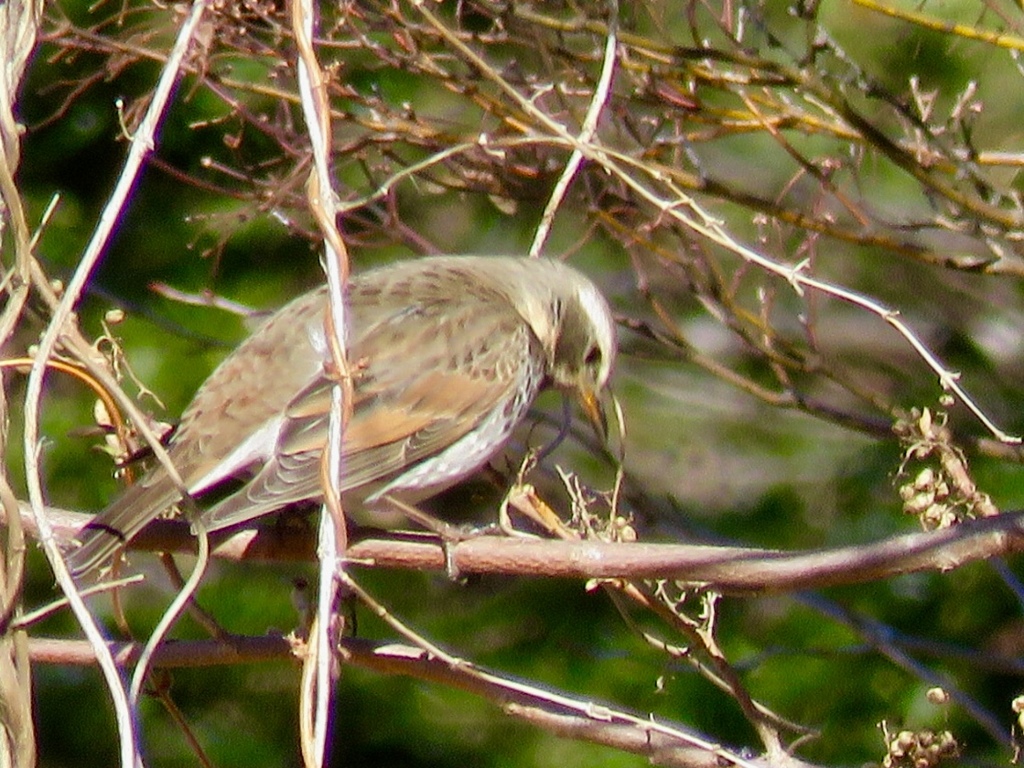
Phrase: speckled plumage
(447, 354)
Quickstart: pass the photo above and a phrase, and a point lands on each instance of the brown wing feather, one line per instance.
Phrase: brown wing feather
(434, 351)
(226, 410)
(466, 354)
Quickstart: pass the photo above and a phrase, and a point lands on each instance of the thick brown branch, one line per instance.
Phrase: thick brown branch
(737, 570)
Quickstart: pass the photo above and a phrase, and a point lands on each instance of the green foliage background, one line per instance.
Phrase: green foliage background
(709, 461)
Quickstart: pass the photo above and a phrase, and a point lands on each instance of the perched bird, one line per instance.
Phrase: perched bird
(447, 353)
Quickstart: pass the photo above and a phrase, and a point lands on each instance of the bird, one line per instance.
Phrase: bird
(446, 356)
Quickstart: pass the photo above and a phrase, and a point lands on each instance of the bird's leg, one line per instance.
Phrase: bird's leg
(447, 531)
(449, 534)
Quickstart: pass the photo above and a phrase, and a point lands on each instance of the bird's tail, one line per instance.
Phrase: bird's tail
(100, 539)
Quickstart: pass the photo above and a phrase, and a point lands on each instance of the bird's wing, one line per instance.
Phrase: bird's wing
(424, 376)
(232, 423)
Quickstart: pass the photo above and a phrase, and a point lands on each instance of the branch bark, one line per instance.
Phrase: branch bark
(732, 570)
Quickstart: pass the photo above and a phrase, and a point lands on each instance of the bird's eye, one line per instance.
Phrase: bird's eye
(593, 356)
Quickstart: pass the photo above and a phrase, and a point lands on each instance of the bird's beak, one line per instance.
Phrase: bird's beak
(594, 410)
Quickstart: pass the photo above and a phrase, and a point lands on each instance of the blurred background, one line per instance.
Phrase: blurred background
(876, 145)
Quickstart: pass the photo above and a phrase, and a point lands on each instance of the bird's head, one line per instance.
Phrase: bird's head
(570, 319)
(583, 354)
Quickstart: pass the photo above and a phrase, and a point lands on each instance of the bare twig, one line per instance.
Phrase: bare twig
(587, 131)
(322, 200)
(667, 743)
(141, 144)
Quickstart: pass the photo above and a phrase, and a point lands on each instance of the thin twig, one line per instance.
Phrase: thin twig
(587, 131)
(331, 541)
(665, 742)
(170, 616)
(141, 145)
(686, 211)
(548, 700)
